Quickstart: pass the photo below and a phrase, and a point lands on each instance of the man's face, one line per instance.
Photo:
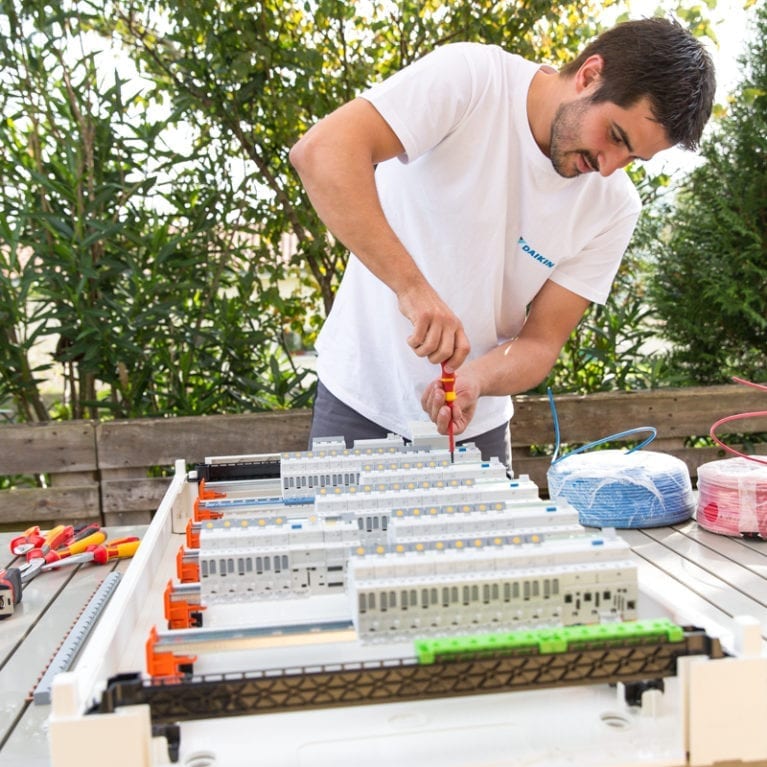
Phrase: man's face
(588, 136)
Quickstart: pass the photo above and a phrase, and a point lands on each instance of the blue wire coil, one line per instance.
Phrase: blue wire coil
(615, 488)
(621, 488)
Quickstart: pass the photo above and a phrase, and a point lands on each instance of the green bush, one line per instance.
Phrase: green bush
(710, 284)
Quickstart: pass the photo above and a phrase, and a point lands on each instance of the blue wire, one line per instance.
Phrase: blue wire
(622, 493)
(554, 418)
(583, 448)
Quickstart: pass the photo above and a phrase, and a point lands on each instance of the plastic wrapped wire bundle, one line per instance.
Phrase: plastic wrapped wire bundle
(732, 493)
(622, 489)
(732, 497)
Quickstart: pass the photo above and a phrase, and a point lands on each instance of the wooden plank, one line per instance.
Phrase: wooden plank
(135, 494)
(659, 586)
(54, 504)
(673, 412)
(534, 467)
(132, 518)
(749, 552)
(159, 442)
(39, 448)
(714, 554)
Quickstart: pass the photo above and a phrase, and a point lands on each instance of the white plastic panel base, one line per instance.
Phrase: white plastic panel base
(588, 727)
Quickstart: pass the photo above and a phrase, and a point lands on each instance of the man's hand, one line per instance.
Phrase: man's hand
(467, 391)
(437, 333)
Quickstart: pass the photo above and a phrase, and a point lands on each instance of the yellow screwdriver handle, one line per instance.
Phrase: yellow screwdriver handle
(122, 548)
(94, 539)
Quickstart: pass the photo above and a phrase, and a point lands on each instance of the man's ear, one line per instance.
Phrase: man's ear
(589, 73)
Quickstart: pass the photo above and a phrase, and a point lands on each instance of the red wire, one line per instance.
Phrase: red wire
(739, 417)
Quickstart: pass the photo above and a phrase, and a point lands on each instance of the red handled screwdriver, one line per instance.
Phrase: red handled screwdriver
(448, 384)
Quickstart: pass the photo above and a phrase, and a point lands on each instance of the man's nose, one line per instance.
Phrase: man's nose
(612, 160)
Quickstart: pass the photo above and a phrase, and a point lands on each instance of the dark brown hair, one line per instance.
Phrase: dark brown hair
(655, 58)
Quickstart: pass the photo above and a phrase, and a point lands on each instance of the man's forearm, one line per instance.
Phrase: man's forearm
(512, 368)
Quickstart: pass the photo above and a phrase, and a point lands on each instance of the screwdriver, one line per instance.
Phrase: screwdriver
(448, 384)
(88, 536)
(34, 538)
(118, 548)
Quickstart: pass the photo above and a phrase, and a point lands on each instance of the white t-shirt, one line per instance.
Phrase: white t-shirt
(486, 218)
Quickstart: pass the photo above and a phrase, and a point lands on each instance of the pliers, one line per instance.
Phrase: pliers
(53, 551)
(42, 549)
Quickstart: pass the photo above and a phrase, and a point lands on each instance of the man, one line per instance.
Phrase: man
(478, 194)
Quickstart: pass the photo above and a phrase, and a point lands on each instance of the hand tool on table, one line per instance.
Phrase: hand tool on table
(61, 542)
(31, 538)
(117, 548)
(91, 535)
(34, 538)
(448, 384)
(13, 579)
(55, 537)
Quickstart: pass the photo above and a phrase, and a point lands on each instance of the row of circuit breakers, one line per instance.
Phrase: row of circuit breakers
(420, 545)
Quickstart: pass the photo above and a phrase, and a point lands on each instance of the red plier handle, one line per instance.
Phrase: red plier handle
(55, 537)
(32, 538)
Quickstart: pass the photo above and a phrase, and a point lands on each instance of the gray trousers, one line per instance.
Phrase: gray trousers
(332, 418)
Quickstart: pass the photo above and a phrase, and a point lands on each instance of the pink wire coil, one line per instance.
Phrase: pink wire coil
(732, 497)
(732, 493)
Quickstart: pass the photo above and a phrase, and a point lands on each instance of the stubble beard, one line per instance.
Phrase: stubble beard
(565, 134)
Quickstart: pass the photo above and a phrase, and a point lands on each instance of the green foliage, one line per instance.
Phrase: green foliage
(616, 346)
(710, 284)
(115, 246)
(261, 74)
(152, 232)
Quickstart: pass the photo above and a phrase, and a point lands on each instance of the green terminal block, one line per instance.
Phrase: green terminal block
(547, 641)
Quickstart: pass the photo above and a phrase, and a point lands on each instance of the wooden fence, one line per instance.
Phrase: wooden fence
(109, 471)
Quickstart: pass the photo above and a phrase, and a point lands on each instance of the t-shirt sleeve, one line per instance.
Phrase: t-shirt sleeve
(426, 100)
(590, 272)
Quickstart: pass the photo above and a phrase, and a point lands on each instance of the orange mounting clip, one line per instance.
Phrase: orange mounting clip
(189, 571)
(192, 535)
(201, 515)
(166, 665)
(204, 493)
(181, 613)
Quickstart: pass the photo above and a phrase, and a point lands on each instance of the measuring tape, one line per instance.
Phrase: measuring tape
(75, 639)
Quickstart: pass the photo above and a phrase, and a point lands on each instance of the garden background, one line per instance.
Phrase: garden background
(158, 256)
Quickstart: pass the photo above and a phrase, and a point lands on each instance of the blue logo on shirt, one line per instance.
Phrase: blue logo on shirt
(534, 253)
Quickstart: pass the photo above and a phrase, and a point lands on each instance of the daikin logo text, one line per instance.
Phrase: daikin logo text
(534, 253)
